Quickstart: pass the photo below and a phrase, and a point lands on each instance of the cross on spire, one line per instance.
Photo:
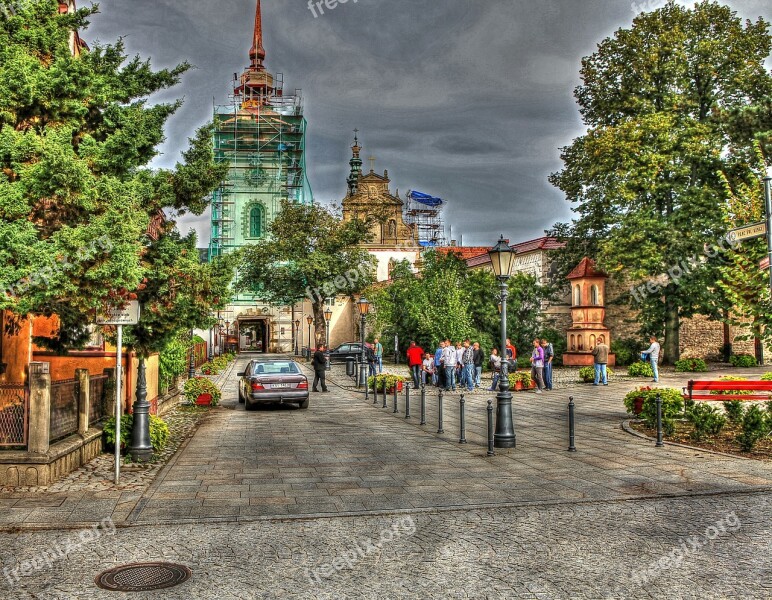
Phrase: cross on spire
(372, 164)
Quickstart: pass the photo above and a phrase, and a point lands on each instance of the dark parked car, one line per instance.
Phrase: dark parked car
(273, 381)
(344, 351)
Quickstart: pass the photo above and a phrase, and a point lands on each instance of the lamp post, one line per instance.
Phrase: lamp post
(327, 317)
(364, 307)
(192, 363)
(220, 346)
(502, 256)
(309, 320)
(297, 333)
(227, 333)
(768, 209)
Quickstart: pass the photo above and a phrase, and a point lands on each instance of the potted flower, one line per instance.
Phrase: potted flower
(201, 390)
(521, 380)
(635, 399)
(387, 381)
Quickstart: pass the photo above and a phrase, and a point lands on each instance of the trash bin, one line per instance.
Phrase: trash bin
(350, 366)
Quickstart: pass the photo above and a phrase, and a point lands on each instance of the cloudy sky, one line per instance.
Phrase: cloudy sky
(469, 100)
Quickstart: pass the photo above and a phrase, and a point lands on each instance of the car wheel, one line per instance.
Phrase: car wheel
(241, 395)
(304, 404)
(249, 406)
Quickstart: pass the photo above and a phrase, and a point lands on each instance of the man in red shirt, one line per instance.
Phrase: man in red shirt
(415, 357)
(511, 354)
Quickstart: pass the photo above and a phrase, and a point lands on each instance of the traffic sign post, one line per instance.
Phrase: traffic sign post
(748, 232)
(119, 316)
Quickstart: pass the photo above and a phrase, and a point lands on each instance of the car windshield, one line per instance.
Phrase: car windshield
(275, 368)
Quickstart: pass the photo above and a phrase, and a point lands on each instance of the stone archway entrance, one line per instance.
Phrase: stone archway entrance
(253, 335)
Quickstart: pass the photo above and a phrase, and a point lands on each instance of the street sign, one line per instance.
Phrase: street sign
(127, 315)
(748, 232)
(764, 264)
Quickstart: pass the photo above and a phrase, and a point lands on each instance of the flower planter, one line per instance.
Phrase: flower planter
(638, 405)
(204, 400)
(391, 389)
(519, 386)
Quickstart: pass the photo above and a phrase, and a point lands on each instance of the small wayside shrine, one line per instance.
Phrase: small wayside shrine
(588, 312)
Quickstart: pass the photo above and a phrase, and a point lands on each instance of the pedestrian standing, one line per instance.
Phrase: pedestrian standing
(371, 361)
(495, 362)
(600, 359)
(427, 370)
(478, 363)
(549, 354)
(460, 363)
(653, 353)
(511, 355)
(467, 364)
(537, 365)
(378, 349)
(449, 366)
(439, 372)
(319, 364)
(415, 359)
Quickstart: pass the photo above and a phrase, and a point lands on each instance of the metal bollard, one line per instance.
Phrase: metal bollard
(423, 405)
(571, 427)
(439, 428)
(462, 402)
(407, 402)
(384, 394)
(375, 392)
(490, 428)
(659, 443)
(395, 398)
(367, 392)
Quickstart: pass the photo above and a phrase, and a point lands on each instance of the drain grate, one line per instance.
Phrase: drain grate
(141, 577)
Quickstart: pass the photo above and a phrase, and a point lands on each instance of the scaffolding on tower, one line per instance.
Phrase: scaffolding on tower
(424, 214)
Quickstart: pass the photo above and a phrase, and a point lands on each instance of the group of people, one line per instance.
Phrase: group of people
(600, 359)
(461, 364)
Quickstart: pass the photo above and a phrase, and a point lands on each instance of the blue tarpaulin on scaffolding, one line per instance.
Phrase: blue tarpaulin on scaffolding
(425, 199)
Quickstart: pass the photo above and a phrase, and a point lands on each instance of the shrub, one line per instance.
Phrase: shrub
(731, 392)
(691, 365)
(201, 385)
(734, 411)
(159, 432)
(524, 377)
(742, 360)
(558, 341)
(766, 377)
(587, 374)
(626, 351)
(706, 420)
(755, 427)
(640, 369)
(173, 361)
(524, 362)
(384, 381)
(209, 369)
(672, 405)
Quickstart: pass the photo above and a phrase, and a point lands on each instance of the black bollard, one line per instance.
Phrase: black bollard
(367, 392)
(461, 402)
(490, 428)
(571, 428)
(375, 392)
(439, 428)
(423, 405)
(407, 402)
(659, 443)
(384, 394)
(395, 397)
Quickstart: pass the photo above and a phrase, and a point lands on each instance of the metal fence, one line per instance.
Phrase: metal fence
(98, 397)
(64, 408)
(14, 415)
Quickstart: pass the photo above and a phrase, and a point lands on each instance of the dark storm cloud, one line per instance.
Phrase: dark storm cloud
(467, 100)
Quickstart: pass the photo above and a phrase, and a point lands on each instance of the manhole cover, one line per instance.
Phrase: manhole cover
(140, 577)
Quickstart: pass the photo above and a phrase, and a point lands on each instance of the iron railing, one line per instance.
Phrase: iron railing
(64, 408)
(14, 415)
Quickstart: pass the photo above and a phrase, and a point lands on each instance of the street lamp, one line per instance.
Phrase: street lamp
(364, 307)
(297, 333)
(327, 317)
(227, 333)
(502, 256)
(309, 320)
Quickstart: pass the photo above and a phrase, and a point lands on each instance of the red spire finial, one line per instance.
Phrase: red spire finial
(257, 52)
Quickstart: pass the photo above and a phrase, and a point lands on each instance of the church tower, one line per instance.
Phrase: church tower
(261, 135)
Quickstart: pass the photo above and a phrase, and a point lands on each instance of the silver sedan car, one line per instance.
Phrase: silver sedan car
(273, 382)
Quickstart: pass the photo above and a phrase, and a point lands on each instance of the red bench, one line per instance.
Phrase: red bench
(727, 386)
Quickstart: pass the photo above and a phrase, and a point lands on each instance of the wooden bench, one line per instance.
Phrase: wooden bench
(727, 386)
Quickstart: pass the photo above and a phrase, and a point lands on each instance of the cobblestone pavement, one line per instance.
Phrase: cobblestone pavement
(710, 547)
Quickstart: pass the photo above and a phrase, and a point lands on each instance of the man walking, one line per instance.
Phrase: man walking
(600, 358)
(449, 366)
(415, 359)
(549, 354)
(653, 353)
(378, 349)
(318, 362)
(537, 365)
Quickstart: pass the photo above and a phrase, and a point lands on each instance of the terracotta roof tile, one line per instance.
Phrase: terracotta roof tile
(586, 268)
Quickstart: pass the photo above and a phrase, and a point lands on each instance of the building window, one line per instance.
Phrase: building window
(592, 342)
(256, 215)
(594, 296)
(577, 295)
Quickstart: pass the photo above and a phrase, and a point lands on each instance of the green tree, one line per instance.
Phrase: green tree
(310, 252)
(667, 104)
(76, 194)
